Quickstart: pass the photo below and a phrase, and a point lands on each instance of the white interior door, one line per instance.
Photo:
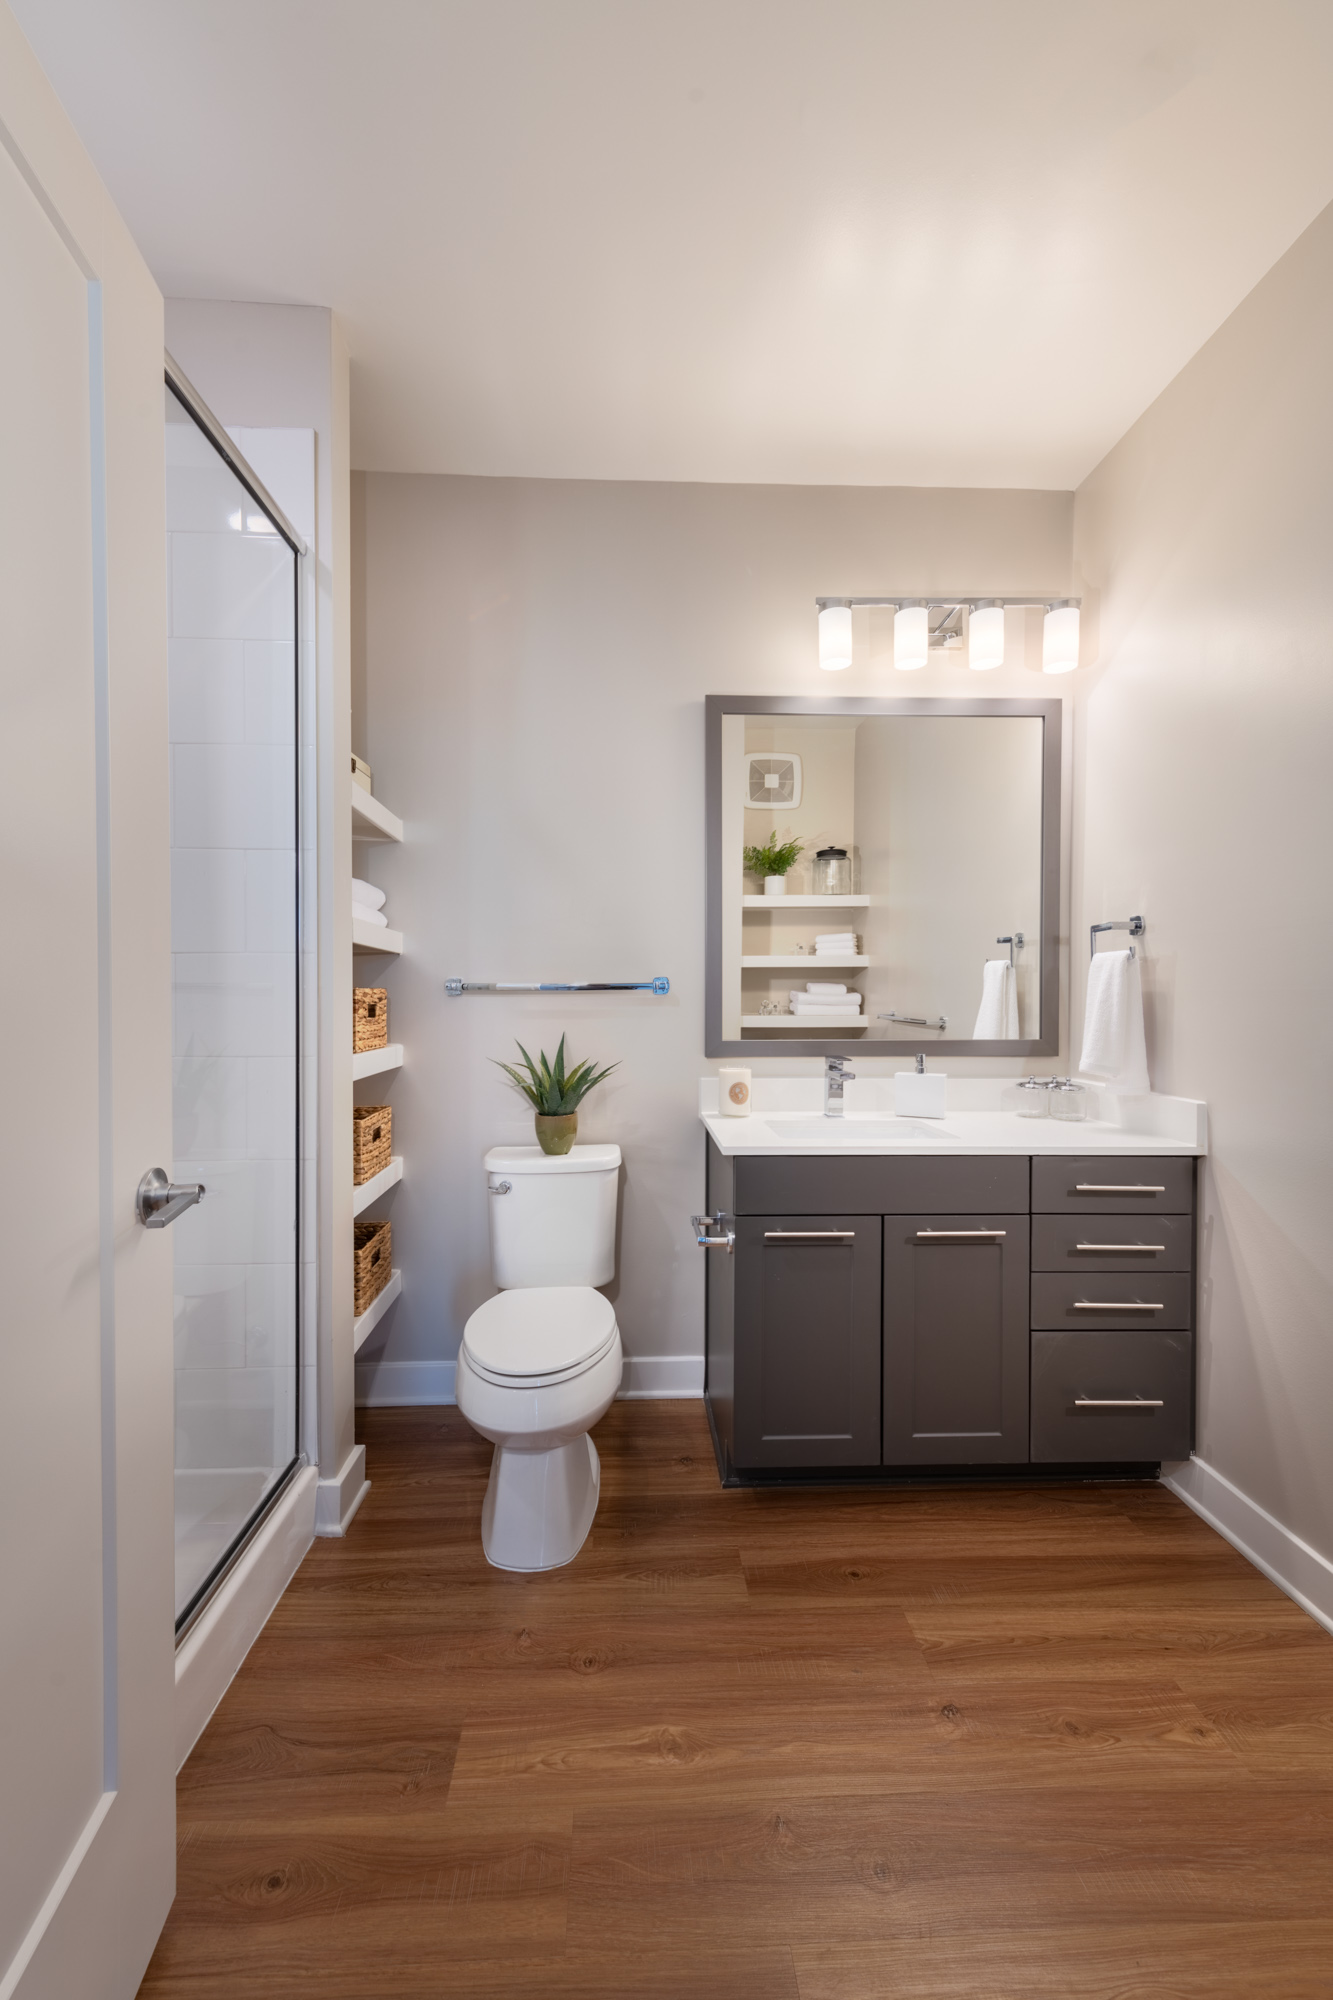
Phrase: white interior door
(86, 1654)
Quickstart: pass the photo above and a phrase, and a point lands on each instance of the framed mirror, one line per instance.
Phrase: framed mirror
(882, 875)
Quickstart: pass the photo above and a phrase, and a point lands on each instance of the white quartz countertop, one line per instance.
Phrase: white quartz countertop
(787, 1117)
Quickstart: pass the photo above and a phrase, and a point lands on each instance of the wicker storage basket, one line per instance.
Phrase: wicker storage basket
(370, 1019)
(372, 1140)
(373, 1263)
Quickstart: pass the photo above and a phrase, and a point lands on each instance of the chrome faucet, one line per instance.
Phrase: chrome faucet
(836, 1073)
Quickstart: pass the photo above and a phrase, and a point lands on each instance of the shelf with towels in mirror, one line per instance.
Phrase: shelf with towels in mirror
(371, 820)
(801, 961)
(377, 1185)
(376, 1310)
(780, 903)
(809, 1019)
(370, 938)
(371, 1062)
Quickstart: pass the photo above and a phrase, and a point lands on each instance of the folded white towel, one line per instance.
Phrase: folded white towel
(825, 986)
(997, 1016)
(809, 1005)
(365, 893)
(834, 937)
(361, 915)
(1113, 1046)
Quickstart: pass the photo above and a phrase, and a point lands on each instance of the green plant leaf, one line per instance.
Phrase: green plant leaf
(549, 1088)
(774, 858)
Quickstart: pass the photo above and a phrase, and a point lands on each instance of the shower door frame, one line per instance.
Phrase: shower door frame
(179, 385)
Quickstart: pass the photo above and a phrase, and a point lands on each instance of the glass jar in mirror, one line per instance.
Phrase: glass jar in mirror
(832, 872)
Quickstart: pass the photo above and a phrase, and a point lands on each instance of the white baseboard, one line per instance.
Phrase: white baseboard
(1290, 1563)
(662, 1375)
(338, 1498)
(399, 1384)
(212, 1650)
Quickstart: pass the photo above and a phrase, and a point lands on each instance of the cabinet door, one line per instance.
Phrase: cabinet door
(807, 1332)
(955, 1339)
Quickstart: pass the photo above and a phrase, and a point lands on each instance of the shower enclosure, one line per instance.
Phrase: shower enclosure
(234, 574)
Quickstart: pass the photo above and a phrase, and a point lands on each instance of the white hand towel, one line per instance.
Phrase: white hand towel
(997, 1016)
(827, 987)
(830, 938)
(1113, 1046)
(361, 915)
(810, 1005)
(367, 895)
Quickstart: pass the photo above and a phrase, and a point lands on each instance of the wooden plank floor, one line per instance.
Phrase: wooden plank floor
(1046, 1744)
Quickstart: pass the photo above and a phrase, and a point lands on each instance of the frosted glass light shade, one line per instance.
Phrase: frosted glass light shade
(1059, 640)
(911, 637)
(835, 637)
(985, 638)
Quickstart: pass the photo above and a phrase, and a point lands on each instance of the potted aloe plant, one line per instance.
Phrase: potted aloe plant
(771, 862)
(553, 1095)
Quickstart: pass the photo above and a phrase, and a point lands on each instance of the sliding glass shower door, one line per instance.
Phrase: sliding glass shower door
(232, 607)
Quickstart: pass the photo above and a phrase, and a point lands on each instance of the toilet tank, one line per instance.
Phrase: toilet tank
(553, 1216)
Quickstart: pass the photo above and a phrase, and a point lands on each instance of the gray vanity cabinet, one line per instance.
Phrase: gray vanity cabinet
(806, 1333)
(955, 1339)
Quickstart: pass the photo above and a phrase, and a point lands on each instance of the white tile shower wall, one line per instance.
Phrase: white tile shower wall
(233, 727)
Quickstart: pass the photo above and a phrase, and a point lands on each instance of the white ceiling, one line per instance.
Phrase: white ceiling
(952, 242)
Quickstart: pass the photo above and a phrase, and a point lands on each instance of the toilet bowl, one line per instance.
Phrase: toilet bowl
(541, 1362)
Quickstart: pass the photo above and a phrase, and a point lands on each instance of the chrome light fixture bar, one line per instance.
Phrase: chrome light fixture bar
(915, 637)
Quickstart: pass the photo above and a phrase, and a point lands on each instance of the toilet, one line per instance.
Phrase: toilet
(542, 1360)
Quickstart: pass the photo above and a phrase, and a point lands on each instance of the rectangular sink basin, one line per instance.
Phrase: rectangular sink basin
(819, 1131)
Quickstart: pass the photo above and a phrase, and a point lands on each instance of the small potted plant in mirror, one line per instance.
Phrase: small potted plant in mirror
(554, 1095)
(771, 862)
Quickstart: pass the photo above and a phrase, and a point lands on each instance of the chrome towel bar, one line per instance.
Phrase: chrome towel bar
(1134, 925)
(453, 987)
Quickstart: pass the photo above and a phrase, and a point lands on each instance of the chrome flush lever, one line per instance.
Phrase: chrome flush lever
(159, 1200)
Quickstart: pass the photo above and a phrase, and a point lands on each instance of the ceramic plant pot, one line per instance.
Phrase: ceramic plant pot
(557, 1135)
(775, 885)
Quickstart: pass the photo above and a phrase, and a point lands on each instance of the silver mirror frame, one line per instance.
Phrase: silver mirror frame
(1050, 715)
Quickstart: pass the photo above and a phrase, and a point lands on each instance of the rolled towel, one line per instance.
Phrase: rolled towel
(1113, 1045)
(367, 895)
(997, 1016)
(361, 915)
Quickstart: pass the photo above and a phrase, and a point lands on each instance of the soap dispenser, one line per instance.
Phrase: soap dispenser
(916, 1095)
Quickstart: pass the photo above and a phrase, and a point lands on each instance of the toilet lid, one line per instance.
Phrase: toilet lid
(541, 1331)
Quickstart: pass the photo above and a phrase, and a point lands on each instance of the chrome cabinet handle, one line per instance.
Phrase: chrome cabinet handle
(809, 1236)
(160, 1200)
(1118, 1403)
(1108, 1187)
(499, 1187)
(701, 1224)
(960, 1235)
(1102, 1247)
(1119, 1305)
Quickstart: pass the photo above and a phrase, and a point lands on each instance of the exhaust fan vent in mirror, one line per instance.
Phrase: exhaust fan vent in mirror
(773, 780)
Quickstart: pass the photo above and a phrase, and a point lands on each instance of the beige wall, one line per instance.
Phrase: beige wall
(1203, 799)
(536, 655)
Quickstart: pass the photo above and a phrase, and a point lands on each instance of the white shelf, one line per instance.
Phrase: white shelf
(377, 1185)
(369, 940)
(799, 962)
(376, 1310)
(371, 820)
(810, 1020)
(771, 903)
(371, 1061)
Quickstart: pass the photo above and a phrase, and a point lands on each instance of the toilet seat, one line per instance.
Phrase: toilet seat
(538, 1335)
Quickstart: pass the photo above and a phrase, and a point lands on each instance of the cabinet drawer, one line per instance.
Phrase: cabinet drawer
(879, 1184)
(1110, 1396)
(1113, 1242)
(1112, 1299)
(1112, 1184)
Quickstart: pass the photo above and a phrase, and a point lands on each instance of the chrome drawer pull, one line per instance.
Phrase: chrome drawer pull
(1119, 1305)
(1119, 1403)
(1119, 1246)
(809, 1236)
(960, 1235)
(1106, 1187)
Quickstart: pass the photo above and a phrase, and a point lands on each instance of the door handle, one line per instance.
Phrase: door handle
(701, 1224)
(960, 1235)
(1120, 1305)
(1112, 1187)
(1118, 1403)
(159, 1200)
(1135, 1247)
(809, 1236)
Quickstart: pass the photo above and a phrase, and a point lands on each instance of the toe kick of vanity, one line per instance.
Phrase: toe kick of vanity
(901, 1316)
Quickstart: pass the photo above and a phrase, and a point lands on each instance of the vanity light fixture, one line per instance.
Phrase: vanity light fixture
(835, 634)
(911, 635)
(1059, 639)
(915, 638)
(985, 636)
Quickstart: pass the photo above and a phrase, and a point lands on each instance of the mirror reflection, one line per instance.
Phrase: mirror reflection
(881, 877)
